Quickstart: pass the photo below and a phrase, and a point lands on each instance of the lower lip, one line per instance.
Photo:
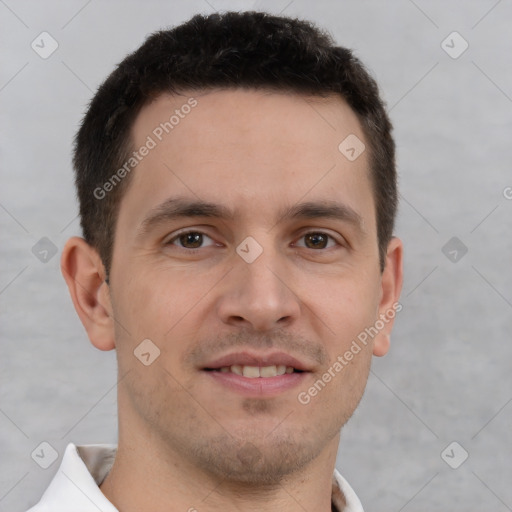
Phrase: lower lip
(259, 386)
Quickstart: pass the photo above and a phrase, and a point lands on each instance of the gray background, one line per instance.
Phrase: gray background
(447, 377)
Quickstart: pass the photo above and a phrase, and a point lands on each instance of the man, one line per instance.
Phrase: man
(237, 192)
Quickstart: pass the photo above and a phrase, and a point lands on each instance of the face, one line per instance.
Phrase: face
(246, 243)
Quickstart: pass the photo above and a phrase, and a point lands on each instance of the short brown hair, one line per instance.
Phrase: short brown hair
(229, 50)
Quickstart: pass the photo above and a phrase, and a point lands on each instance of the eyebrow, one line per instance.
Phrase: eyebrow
(179, 207)
(325, 210)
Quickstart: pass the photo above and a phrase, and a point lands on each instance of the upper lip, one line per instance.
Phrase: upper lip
(248, 358)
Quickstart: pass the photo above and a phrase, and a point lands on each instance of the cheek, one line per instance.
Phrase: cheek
(166, 306)
(344, 307)
(351, 311)
(153, 318)
(155, 301)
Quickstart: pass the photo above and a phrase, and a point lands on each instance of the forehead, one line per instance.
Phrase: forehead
(246, 148)
(249, 115)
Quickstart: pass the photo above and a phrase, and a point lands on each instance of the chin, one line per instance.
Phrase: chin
(258, 459)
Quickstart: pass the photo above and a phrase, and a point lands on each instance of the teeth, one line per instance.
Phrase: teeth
(253, 372)
(236, 368)
(268, 371)
(250, 371)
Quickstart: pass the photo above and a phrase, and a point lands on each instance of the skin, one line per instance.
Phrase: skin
(185, 441)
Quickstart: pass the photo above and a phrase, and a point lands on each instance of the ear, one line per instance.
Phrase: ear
(84, 273)
(391, 286)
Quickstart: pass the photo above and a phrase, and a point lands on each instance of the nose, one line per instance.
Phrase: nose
(259, 295)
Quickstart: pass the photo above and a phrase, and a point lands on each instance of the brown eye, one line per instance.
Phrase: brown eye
(189, 240)
(316, 240)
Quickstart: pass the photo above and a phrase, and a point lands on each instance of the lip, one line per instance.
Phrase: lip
(247, 358)
(258, 387)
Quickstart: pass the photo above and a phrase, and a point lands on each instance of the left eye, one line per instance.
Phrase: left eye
(317, 240)
(190, 240)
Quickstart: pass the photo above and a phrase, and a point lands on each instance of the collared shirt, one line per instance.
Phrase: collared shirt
(75, 486)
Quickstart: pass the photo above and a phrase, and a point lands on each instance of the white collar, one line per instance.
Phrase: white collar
(83, 469)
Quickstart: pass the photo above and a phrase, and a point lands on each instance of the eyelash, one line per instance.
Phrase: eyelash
(195, 231)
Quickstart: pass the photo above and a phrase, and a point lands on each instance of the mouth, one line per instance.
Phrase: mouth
(257, 375)
(255, 372)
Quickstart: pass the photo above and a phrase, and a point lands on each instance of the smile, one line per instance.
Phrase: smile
(254, 372)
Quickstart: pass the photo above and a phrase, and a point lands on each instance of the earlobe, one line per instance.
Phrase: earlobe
(381, 344)
(84, 273)
(391, 283)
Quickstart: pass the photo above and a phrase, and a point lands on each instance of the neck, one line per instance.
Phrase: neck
(149, 475)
